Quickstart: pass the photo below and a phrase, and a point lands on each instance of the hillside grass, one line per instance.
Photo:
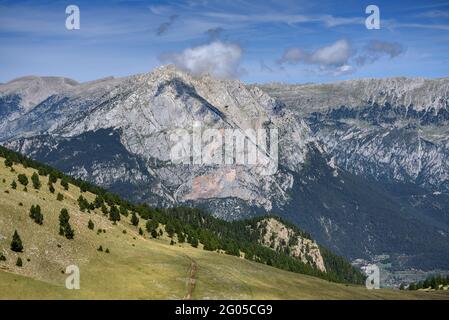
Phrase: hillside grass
(137, 267)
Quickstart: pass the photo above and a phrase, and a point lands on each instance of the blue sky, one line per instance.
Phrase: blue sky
(256, 41)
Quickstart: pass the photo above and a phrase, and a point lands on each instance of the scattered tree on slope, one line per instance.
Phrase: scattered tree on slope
(16, 243)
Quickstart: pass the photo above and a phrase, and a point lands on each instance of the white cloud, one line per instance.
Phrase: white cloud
(344, 69)
(294, 55)
(332, 59)
(334, 55)
(217, 58)
(375, 50)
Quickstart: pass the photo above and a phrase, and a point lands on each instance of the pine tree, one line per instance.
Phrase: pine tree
(433, 283)
(83, 186)
(123, 211)
(16, 243)
(59, 197)
(51, 188)
(114, 214)
(100, 248)
(36, 215)
(134, 219)
(98, 201)
(104, 209)
(19, 262)
(52, 177)
(151, 225)
(14, 184)
(23, 179)
(194, 242)
(83, 203)
(65, 228)
(90, 225)
(154, 233)
(2, 257)
(170, 230)
(402, 286)
(141, 231)
(65, 183)
(8, 162)
(419, 285)
(64, 217)
(69, 233)
(35, 180)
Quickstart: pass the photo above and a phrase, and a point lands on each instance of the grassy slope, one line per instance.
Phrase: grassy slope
(137, 267)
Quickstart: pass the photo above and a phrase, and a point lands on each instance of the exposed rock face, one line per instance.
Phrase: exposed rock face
(391, 129)
(279, 237)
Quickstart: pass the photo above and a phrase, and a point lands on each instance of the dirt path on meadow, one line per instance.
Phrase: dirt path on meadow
(192, 280)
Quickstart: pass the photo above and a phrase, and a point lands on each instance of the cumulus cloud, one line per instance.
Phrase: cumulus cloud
(294, 56)
(337, 54)
(340, 57)
(391, 49)
(375, 50)
(218, 58)
(163, 27)
(333, 58)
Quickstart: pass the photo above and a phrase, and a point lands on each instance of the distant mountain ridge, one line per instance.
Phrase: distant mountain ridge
(390, 129)
(418, 94)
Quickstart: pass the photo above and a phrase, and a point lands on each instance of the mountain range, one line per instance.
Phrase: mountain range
(361, 164)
